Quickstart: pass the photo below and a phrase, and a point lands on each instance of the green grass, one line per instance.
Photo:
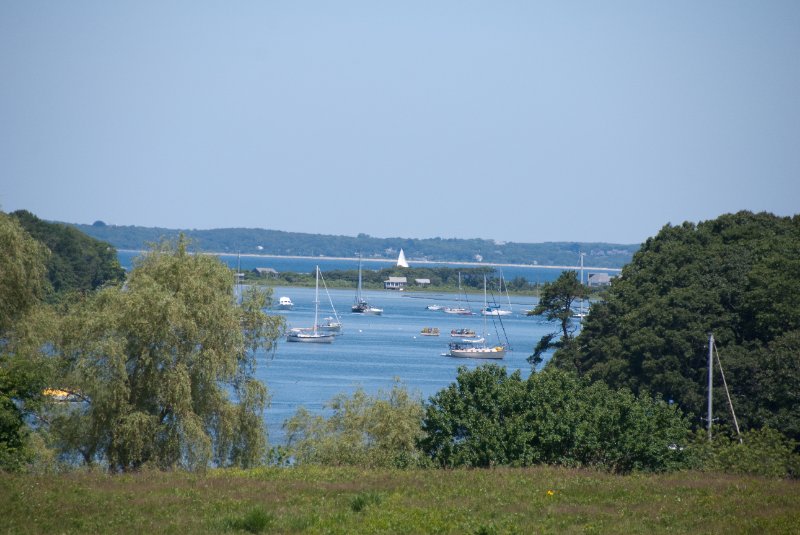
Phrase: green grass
(348, 500)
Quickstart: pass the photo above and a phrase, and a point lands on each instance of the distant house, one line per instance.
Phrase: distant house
(265, 272)
(599, 279)
(422, 282)
(395, 283)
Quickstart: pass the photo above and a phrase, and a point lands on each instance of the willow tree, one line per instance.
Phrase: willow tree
(164, 368)
(23, 285)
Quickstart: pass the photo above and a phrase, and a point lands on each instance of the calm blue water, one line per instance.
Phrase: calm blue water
(374, 350)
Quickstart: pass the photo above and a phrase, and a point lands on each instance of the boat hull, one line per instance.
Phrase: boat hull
(310, 338)
(459, 311)
(478, 353)
(357, 309)
(496, 312)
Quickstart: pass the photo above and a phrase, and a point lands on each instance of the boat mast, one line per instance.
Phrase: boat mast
(358, 293)
(485, 306)
(503, 284)
(582, 255)
(316, 302)
(710, 380)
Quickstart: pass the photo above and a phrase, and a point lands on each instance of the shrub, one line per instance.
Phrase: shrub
(363, 500)
(255, 521)
(489, 418)
(764, 452)
(364, 430)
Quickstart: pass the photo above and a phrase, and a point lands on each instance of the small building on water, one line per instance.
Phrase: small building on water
(395, 283)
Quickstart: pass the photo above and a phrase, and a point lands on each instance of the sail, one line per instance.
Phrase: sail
(401, 260)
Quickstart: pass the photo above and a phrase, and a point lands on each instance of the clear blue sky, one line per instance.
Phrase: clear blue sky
(519, 121)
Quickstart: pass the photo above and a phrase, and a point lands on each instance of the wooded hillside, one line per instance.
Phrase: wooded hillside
(76, 261)
(260, 241)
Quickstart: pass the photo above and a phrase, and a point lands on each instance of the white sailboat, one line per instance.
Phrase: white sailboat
(311, 334)
(495, 309)
(464, 311)
(477, 350)
(361, 306)
(330, 324)
(401, 260)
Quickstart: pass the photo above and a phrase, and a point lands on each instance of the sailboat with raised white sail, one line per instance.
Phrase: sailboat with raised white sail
(361, 306)
(401, 260)
(478, 350)
(311, 334)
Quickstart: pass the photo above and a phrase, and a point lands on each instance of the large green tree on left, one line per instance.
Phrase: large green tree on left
(23, 284)
(164, 368)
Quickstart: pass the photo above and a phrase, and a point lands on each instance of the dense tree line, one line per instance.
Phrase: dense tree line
(443, 278)
(736, 277)
(76, 262)
(261, 241)
(489, 418)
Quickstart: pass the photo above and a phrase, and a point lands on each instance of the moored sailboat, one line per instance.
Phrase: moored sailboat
(495, 309)
(477, 349)
(458, 309)
(361, 306)
(311, 334)
(332, 324)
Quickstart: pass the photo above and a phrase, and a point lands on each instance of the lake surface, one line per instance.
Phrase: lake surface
(374, 350)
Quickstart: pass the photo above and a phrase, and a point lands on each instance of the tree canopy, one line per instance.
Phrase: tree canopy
(164, 368)
(736, 277)
(77, 262)
(362, 430)
(555, 304)
(23, 284)
(488, 418)
(23, 275)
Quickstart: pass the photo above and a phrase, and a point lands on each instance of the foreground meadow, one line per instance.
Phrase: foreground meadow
(347, 500)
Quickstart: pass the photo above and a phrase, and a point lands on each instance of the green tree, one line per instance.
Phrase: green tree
(77, 262)
(164, 368)
(362, 430)
(23, 276)
(23, 285)
(489, 418)
(555, 304)
(735, 276)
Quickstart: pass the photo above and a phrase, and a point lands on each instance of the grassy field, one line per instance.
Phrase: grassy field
(346, 500)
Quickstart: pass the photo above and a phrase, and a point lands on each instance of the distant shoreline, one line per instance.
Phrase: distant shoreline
(410, 261)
